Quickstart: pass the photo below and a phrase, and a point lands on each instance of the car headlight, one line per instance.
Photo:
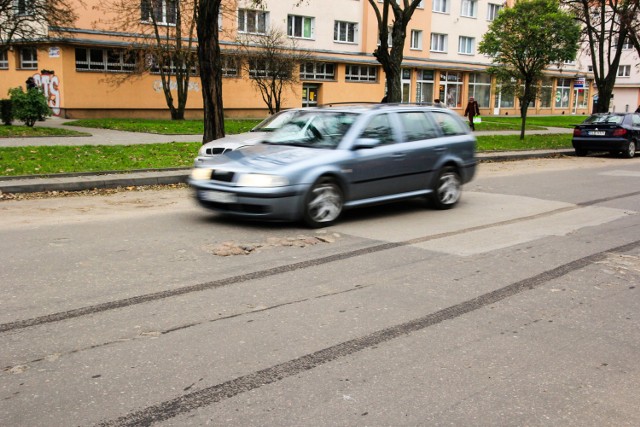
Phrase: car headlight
(261, 180)
(201, 174)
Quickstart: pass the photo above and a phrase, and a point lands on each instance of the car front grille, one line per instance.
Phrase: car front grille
(222, 176)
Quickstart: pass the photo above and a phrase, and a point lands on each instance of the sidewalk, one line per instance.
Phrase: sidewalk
(86, 181)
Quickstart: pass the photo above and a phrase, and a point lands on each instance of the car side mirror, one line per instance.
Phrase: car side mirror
(366, 143)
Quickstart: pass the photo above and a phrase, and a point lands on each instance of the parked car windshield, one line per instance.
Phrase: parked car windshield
(604, 118)
(274, 122)
(319, 129)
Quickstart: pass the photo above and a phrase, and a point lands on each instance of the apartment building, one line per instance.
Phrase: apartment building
(81, 70)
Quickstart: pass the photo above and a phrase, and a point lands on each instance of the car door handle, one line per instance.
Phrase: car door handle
(399, 156)
(439, 149)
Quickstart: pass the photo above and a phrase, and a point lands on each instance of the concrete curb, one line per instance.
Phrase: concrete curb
(108, 180)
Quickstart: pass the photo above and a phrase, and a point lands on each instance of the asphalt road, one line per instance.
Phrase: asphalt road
(519, 307)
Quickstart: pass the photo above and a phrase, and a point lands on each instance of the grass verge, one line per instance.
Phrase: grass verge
(163, 127)
(26, 131)
(43, 160)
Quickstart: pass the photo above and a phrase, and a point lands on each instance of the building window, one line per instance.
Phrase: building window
(546, 90)
(469, 8)
(29, 58)
(229, 66)
(260, 68)
(300, 26)
(624, 71)
(466, 45)
(23, 7)
(163, 12)
(424, 86)
(451, 89)
(492, 11)
(416, 39)
(506, 98)
(344, 32)
(438, 42)
(112, 60)
(562, 93)
(154, 68)
(252, 21)
(4, 60)
(317, 71)
(361, 73)
(441, 6)
(480, 88)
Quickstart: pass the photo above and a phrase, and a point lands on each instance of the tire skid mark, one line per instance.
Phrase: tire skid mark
(141, 299)
(217, 393)
(189, 325)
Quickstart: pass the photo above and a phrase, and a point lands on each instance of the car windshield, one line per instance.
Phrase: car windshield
(319, 129)
(604, 118)
(274, 122)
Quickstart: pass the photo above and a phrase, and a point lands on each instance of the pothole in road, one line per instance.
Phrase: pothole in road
(231, 248)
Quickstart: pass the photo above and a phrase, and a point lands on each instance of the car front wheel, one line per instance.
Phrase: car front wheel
(630, 151)
(447, 189)
(323, 203)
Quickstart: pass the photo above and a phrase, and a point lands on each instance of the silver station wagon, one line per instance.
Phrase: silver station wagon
(325, 160)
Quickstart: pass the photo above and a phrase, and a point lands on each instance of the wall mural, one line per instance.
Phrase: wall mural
(49, 83)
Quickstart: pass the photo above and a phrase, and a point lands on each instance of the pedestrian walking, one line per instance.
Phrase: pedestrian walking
(437, 103)
(472, 110)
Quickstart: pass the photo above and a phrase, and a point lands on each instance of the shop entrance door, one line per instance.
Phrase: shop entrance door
(310, 95)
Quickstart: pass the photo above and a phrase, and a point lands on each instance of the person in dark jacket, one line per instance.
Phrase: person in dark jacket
(472, 110)
(31, 83)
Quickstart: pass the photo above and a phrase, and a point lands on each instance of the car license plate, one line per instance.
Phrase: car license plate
(597, 133)
(218, 196)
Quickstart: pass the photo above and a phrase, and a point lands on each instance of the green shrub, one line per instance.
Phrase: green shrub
(29, 106)
(6, 113)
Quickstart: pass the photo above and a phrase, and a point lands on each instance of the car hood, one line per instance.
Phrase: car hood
(267, 158)
(238, 140)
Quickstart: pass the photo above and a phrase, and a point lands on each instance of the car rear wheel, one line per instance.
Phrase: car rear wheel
(630, 150)
(323, 203)
(581, 152)
(447, 189)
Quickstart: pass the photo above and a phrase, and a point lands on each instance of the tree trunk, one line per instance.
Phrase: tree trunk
(210, 69)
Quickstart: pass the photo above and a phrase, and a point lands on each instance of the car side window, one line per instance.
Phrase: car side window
(416, 126)
(636, 119)
(379, 128)
(448, 124)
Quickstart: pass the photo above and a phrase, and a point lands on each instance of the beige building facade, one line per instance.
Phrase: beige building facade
(87, 71)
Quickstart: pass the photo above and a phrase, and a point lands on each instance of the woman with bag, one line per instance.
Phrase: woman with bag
(473, 109)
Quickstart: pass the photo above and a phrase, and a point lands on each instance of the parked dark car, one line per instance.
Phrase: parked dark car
(326, 160)
(617, 133)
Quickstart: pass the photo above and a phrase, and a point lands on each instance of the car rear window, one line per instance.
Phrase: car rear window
(416, 126)
(449, 125)
(614, 119)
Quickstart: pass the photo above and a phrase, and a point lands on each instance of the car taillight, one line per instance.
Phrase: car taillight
(577, 132)
(619, 132)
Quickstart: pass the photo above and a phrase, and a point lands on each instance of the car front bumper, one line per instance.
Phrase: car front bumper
(276, 203)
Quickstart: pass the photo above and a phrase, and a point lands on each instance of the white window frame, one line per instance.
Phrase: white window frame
(440, 6)
(318, 71)
(4, 60)
(624, 71)
(469, 8)
(416, 39)
(492, 11)
(28, 62)
(24, 7)
(439, 42)
(259, 19)
(343, 29)
(230, 66)
(161, 9)
(466, 45)
(361, 73)
(293, 26)
(105, 64)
